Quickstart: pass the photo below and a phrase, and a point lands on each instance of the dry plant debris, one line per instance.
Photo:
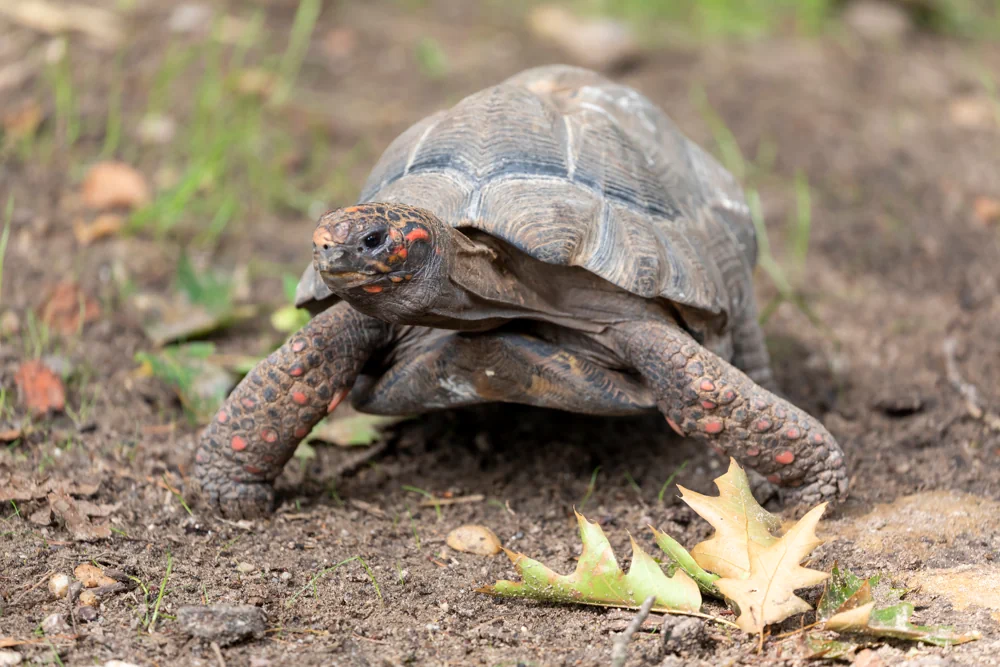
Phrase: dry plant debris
(747, 562)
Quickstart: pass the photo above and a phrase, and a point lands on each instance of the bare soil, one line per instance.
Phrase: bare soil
(898, 262)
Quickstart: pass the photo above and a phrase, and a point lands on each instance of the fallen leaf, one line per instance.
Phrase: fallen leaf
(92, 576)
(200, 384)
(350, 428)
(10, 434)
(819, 647)
(682, 558)
(76, 520)
(256, 82)
(986, 210)
(849, 605)
(16, 487)
(67, 308)
(23, 121)
(104, 225)
(598, 580)
(339, 43)
(54, 18)
(114, 185)
(739, 521)
(972, 112)
(767, 595)
(41, 516)
(474, 539)
(599, 42)
(40, 390)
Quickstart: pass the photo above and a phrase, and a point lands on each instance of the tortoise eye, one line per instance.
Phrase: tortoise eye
(373, 240)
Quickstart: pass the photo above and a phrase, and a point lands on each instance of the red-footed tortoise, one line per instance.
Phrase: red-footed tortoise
(553, 240)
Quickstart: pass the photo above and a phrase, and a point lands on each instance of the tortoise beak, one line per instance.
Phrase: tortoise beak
(339, 263)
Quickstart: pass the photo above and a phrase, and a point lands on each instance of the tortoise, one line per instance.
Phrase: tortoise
(553, 240)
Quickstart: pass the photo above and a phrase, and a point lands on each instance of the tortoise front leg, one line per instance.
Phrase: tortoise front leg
(258, 428)
(709, 399)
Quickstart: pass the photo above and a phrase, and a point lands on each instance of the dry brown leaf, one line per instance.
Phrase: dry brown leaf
(104, 225)
(92, 576)
(76, 519)
(768, 594)
(10, 434)
(40, 390)
(114, 185)
(596, 42)
(739, 522)
(54, 18)
(67, 308)
(41, 516)
(986, 209)
(474, 539)
(23, 121)
(974, 112)
(16, 487)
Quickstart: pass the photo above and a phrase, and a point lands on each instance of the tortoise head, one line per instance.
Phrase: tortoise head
(385, 259)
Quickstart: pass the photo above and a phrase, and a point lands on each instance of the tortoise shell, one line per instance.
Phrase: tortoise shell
(576, 170)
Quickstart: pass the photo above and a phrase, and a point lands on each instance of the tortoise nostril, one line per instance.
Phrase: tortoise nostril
(326, 246)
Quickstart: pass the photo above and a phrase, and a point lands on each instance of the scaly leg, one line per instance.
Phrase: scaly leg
(707, 398)
(256, 431)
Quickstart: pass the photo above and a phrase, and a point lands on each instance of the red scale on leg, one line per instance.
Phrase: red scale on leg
(299, 397)
(713, 427)
(785, 457)
(238, 444)
(298, 346)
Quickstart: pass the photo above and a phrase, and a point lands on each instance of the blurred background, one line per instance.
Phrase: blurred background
(171, 157)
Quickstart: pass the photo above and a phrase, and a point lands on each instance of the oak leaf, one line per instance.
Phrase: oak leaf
(740, 524)
(767, 595)
(598, 580)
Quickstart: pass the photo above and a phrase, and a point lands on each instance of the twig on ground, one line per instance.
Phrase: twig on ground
(218, 654)
(619, 649)
(460, 500)
(973, 403)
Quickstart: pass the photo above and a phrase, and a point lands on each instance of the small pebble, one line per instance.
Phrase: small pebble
(59, 585)
(88, 599)
(9, 658)
(55, 624)
(119, 663)
(86, 614)
(224, 624)
(245, 568)
(286, 576)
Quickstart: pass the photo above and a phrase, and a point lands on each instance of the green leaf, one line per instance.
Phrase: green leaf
(289, 319)
(353, 429)
(821, 648)
(849, 605)
(200, 384)
(598, 580)
(680, 556)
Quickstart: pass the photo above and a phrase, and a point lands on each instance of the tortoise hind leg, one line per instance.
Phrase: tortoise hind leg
(707, 398)
(257, 429)
(750, 353)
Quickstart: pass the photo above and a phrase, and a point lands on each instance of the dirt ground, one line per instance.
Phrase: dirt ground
(900, 145)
